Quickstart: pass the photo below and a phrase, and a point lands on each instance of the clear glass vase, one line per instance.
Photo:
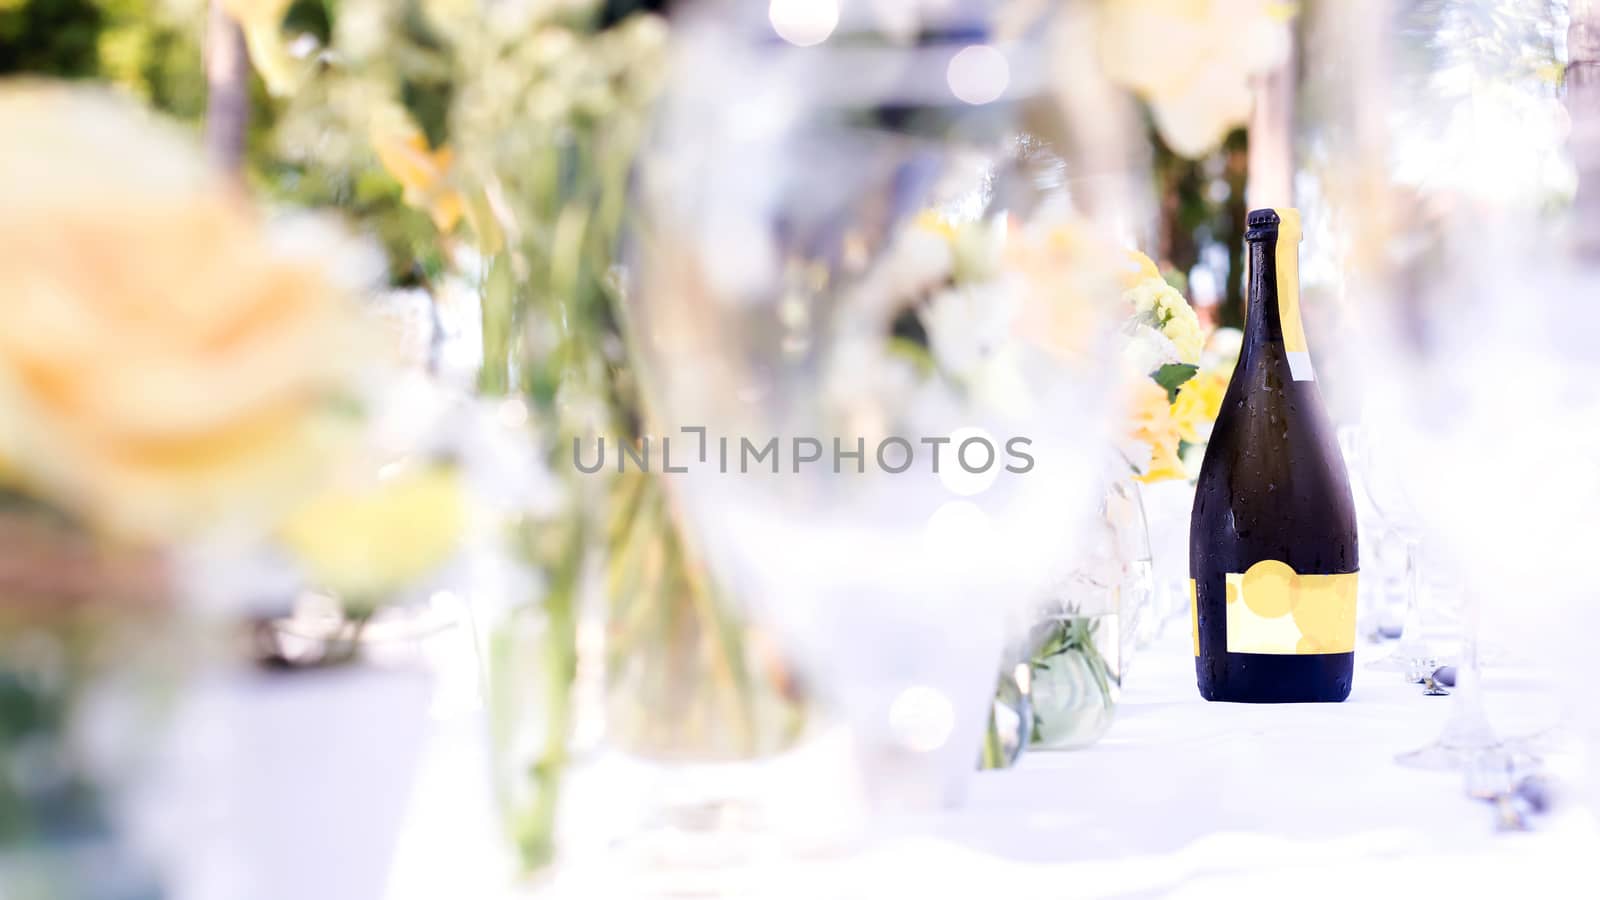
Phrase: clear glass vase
(631, 702)
(1167, 505)
(1082, 643)
(687, 676)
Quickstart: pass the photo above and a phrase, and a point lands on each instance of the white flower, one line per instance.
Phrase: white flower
(1148, 350)
(1160, 306)
(1145, 296)
(968, 325)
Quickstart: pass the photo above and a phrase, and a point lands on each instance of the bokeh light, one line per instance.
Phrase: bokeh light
(978, 74)
(804, 23)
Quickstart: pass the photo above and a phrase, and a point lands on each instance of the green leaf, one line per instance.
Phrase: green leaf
(915, 353)
(1172, 376)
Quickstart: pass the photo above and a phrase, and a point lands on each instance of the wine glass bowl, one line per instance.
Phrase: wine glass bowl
(881, 522)
(1386, 490)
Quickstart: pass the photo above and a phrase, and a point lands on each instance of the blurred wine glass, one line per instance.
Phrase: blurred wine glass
(1440, 162)
(772, 304)
(1385, 489)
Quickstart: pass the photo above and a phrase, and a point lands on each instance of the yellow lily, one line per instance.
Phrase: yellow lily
(1152, 423)
(424, 173)
(1198, 402)
(262, 24)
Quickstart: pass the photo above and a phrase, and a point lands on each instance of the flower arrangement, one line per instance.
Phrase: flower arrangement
(989, 295)
(1165, 343)
(1199, 401)
(983, 302)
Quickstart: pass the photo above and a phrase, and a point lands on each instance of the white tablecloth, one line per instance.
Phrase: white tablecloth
(1181, 797)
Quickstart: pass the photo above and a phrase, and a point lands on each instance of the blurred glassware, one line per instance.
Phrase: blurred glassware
(1385, 489)
(1380, 604)
(1467, 739)
(774, 278)
(1084, 639)
(1571, 619)
(1167, 506)
(1011, 721)
(1441, 163)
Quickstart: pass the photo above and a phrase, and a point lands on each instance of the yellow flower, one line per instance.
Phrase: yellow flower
(425, 174)
(1165, 464)
(1151, 422)
(262, 24)
(249, 12)
(1137, 269)
(367, 543)
(1198, 402)
(161, 365)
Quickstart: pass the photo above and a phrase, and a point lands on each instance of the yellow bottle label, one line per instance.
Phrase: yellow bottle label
(1288, 264)
(1273, 609)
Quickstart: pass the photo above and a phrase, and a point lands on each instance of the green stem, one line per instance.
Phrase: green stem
(993, 753)
(499, 304)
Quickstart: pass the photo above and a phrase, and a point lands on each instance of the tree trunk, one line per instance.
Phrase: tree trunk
(227, 91)
(1272, 136)
(1236, 171)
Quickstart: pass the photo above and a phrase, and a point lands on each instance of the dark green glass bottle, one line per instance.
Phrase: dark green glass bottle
(1272, 538)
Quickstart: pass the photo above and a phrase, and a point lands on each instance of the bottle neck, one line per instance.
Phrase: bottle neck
(1262, 321)
(1272, 312)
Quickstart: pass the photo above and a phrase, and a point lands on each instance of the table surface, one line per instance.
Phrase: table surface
(1181, 798)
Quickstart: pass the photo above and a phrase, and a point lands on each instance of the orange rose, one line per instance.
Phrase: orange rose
(161, 366)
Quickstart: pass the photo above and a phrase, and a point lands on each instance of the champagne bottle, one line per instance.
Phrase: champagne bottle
(1272, 537)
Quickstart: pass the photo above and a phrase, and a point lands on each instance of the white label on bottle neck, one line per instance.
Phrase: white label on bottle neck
(1300, 366)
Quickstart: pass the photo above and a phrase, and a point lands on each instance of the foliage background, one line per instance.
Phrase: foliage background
(152, 49)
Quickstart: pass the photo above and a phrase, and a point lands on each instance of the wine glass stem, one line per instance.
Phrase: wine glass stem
(1468, 725)
(1413, 647)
